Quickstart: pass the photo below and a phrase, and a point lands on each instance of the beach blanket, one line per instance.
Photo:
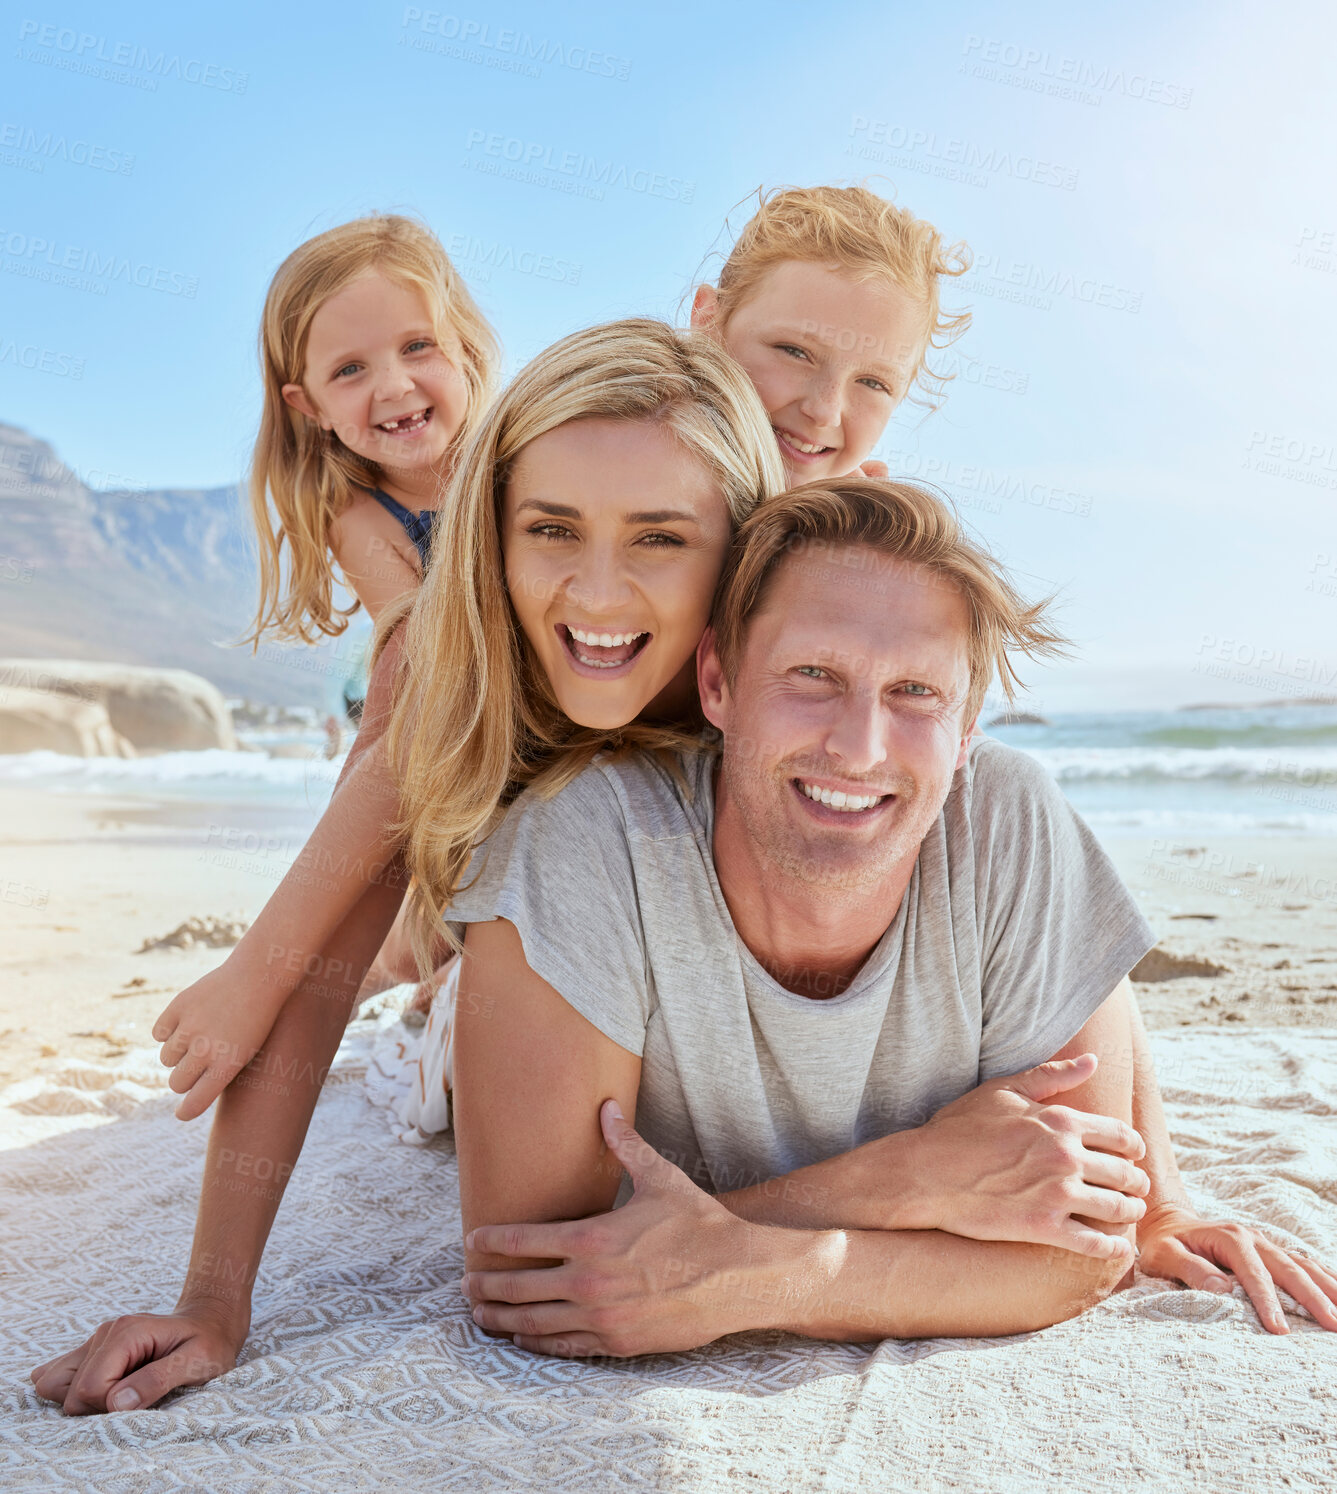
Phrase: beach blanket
(365, 1372)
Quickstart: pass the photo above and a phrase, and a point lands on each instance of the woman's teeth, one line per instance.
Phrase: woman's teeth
(835, 799)
(604, 640)
(604, 650)
(403, 425)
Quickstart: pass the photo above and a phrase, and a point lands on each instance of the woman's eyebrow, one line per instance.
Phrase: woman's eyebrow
(646, 516)
(661, 516)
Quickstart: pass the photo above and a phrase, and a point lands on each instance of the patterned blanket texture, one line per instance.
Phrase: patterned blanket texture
(364, 1371)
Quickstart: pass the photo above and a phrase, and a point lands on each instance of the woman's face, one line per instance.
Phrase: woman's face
(377, 377)
(613, 537)
(830, 356)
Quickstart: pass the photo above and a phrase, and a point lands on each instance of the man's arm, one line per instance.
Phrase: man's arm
(531, 1074)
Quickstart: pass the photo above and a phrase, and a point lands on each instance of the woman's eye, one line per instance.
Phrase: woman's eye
(788, 347)
(812, 671)
(421, 342)
(662, 541)
(550, 531)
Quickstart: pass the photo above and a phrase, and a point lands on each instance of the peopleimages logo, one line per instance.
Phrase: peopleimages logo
(46, 146)
(529, 159)
(1049, 72)
(79, 51)
(87, 269)
(951, 152)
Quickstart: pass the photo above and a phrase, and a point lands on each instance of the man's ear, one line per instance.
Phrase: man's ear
(710, 681)
(296, 396)
(965, 741)
(705, 306)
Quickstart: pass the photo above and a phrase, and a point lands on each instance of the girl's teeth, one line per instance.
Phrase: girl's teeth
(405, 423)
(802, 445)
(835, 799)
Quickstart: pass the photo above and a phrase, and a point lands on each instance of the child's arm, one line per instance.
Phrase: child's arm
(372, 552)
(213, 1029)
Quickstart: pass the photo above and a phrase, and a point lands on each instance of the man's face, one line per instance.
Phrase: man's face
(843, 725)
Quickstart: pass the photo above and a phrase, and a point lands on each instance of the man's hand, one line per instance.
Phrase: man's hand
(1002, 1163)
(672, 1269)
(1174, 1242)
(132, 1362)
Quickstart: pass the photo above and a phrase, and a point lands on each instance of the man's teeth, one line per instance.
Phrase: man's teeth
(400, 423)
(802, 446)
(835, 799)
(604, 640)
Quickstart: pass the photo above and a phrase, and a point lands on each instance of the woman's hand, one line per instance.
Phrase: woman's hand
(132, 1362)
(212, 1030)
(1173, 1241)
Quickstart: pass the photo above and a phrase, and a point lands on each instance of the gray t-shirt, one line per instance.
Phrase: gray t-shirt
(1013, 930)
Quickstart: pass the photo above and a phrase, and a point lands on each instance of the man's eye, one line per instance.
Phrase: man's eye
(918, 690)
(812, 671)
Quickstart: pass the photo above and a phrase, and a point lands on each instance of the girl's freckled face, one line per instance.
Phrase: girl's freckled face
(613, 538)
(831, 357)
(378, 378)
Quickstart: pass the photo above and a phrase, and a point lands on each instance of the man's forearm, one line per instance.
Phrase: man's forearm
(871, 1187)
(854, 1285)
(262, 1117)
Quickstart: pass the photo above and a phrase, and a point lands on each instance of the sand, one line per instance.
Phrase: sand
(86, 881)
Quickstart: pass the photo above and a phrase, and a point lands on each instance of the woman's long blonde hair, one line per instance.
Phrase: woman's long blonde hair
(302, 477)
(475, 718)
(863, 234)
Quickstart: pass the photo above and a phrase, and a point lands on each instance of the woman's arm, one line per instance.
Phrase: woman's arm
(530, 1073)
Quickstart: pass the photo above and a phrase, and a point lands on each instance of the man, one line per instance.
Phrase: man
(784, 963)
(798, 1002)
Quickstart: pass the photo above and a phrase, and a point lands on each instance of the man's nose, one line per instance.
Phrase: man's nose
(857, 736)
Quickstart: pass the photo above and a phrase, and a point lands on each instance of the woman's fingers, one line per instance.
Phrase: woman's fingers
(1291, 1273)
(1173, 1260)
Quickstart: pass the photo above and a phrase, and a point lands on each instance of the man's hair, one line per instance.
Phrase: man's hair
(903, 525)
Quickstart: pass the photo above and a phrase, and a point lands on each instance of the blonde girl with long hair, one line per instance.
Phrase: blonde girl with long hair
(377, 365)
(829, 301)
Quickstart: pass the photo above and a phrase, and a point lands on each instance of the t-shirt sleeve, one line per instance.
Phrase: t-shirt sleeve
(561, 871)
(1058, 929)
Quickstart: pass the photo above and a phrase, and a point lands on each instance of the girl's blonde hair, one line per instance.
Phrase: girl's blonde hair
(857, 231)
(475, 718)
(302, 477)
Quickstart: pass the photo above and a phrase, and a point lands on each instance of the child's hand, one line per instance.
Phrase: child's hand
(873, 468)
(209, 1033)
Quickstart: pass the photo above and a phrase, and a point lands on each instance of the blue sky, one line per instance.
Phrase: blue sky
(1143, 416)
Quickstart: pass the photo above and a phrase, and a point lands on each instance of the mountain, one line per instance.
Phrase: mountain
(164, 577)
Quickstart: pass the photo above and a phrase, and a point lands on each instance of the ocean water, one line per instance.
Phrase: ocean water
(1265, 771)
